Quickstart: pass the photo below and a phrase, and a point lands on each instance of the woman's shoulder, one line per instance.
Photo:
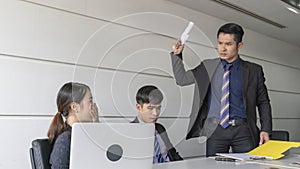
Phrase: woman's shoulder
(64, 138)
(61, 150)
(62, 143)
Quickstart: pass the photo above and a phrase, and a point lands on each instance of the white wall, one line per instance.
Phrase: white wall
(116, 47)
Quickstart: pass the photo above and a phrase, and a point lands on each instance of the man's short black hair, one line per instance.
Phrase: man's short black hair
(232, 28)
(149, 94)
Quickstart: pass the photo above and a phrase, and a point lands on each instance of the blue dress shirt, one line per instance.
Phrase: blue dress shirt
(237, 107)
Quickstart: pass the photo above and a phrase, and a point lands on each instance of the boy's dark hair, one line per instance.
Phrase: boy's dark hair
(232, 28)
(149, 94)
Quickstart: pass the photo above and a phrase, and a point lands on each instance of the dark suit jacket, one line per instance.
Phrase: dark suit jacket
(255, 94)
(172, 153)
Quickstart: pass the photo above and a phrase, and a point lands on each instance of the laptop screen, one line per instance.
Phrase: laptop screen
(112, 145)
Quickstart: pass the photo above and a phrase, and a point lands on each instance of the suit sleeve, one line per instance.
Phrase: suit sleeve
(172, 152)
(263, 103)
(182, 77)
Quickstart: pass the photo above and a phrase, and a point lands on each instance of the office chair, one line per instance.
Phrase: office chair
(40, 154)
(280, 135)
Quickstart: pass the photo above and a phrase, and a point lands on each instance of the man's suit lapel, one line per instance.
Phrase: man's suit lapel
(245, 78)
(211, 67)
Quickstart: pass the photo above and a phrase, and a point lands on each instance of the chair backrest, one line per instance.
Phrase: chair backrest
(40, 154)
(280, 135)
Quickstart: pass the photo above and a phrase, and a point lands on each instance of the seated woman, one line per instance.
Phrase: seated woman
(74, 103)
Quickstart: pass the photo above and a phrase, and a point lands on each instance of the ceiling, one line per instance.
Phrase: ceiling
(269, 10)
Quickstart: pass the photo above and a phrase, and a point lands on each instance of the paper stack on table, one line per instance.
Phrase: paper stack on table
(272, 149)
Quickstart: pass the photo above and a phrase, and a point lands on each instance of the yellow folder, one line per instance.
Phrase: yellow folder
(273, 149)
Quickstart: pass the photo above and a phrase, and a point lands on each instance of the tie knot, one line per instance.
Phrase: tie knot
(227, 66)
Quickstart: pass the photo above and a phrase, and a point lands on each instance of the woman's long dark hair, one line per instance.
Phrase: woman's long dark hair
(68, 93)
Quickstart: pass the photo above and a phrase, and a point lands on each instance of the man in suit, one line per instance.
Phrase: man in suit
(227, 92)
(148, 105)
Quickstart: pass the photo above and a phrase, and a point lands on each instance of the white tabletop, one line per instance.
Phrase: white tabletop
(210, 163)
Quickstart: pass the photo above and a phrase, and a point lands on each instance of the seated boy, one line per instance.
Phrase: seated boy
(148, 104)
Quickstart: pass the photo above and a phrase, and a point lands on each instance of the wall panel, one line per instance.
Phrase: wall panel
(114, 91)
(17, 134)
(35, 31)
(291, 125)
(285, 105)
(172, 22)
(30, 86)
(78, 6)
(279, 77)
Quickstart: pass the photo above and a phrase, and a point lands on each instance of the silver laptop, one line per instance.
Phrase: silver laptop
(112, 146)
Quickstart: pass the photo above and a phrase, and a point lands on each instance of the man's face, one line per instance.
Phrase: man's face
(148, 112)
(227, 47)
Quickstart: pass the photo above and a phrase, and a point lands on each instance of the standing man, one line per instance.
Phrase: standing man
(227, 92)
(148, 105)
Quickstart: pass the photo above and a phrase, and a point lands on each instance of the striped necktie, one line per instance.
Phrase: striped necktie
(224, 113)
(157, 154)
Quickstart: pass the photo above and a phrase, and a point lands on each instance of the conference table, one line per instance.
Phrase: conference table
(290, 161)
